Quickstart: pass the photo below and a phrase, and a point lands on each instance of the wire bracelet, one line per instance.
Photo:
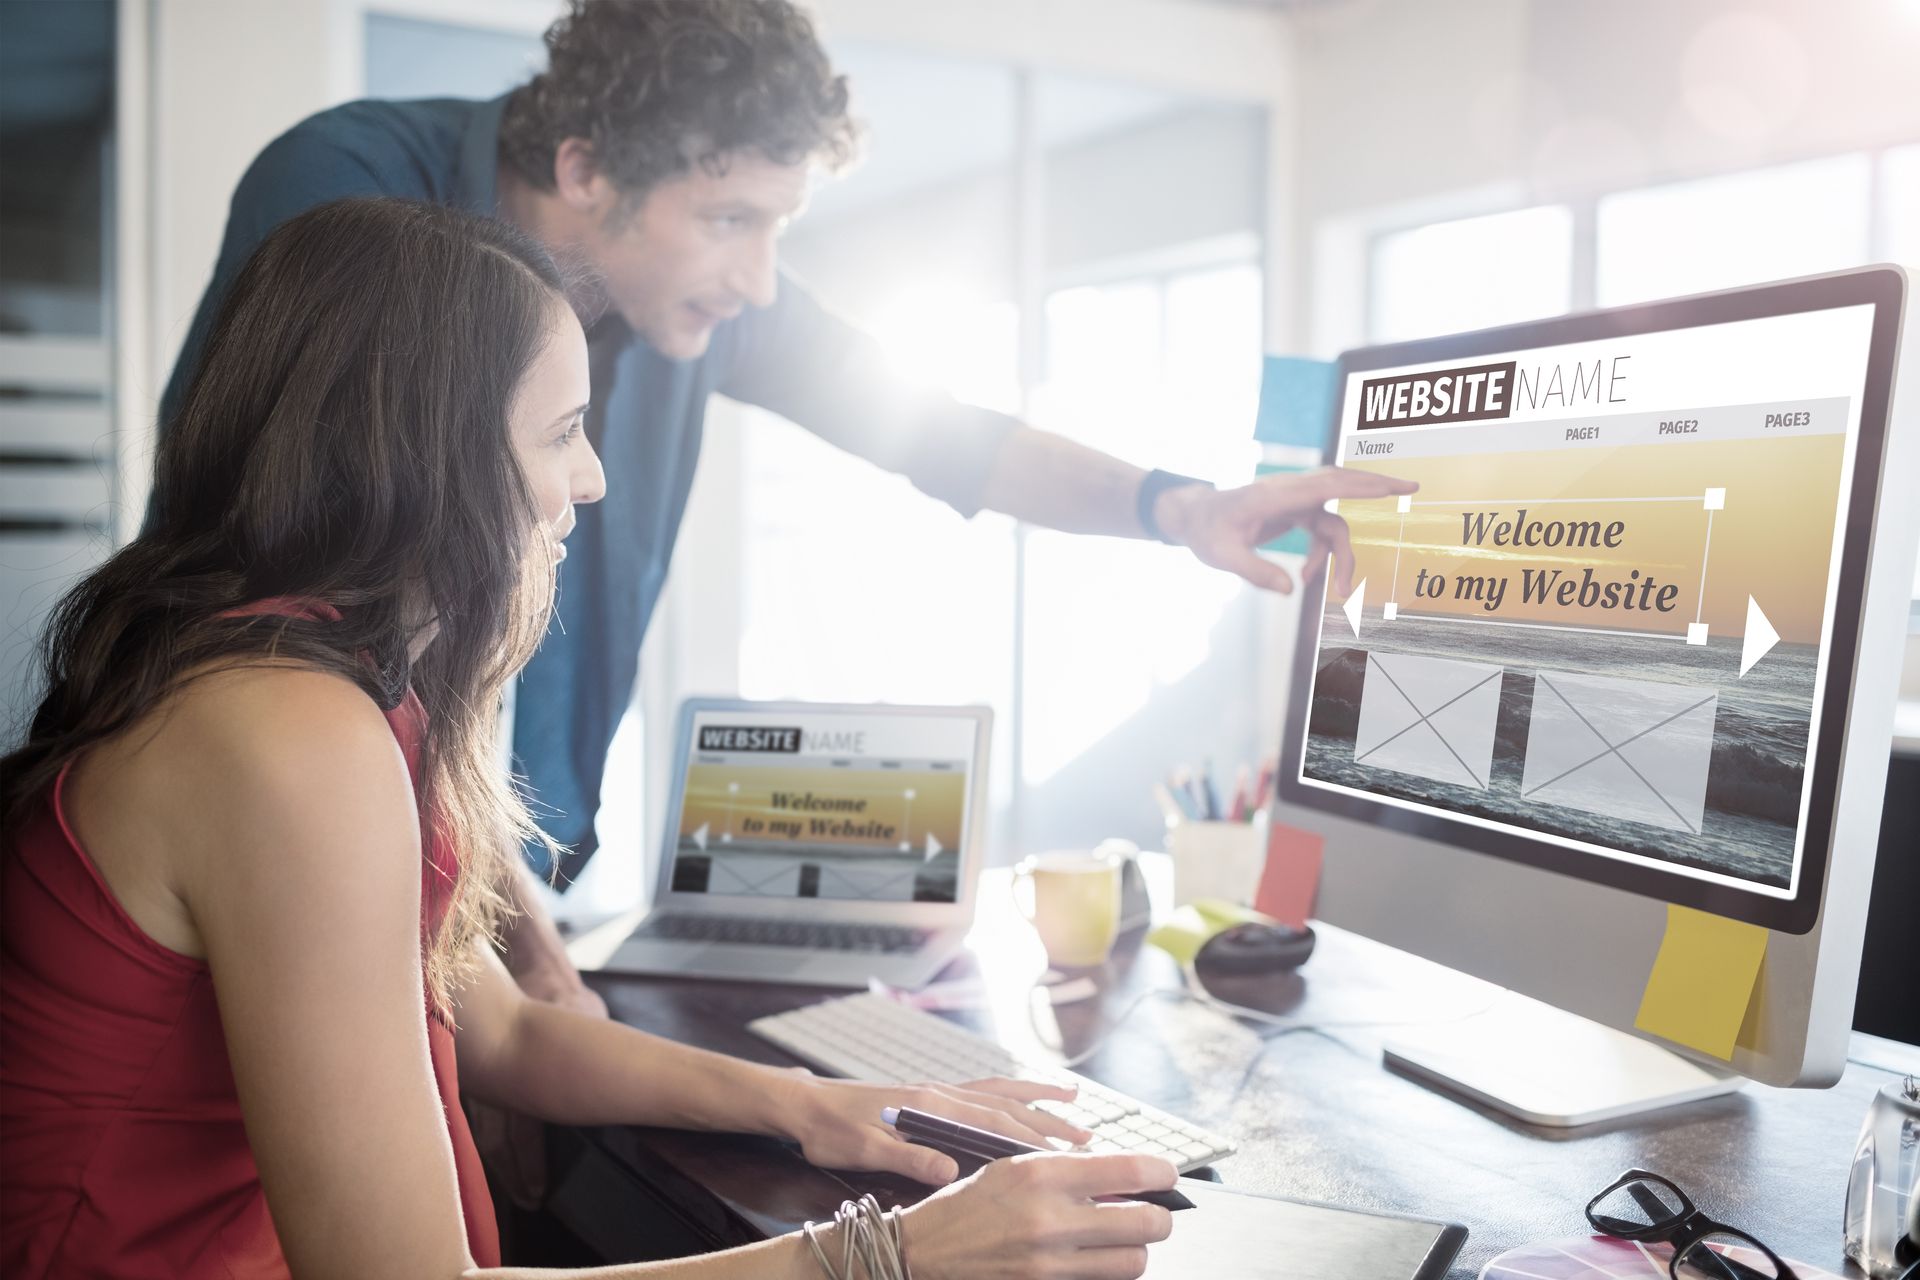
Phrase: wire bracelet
(870, 1235)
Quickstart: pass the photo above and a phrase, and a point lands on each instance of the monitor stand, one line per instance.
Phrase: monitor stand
(1548, 1067)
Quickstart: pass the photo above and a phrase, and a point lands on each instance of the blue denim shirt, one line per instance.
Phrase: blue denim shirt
(646, 419)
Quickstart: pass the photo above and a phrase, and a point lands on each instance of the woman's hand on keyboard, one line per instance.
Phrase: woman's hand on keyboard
(1040, 1215)
(838, 1123)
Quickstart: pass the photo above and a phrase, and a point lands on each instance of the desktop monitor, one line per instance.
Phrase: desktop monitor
(1634, 642)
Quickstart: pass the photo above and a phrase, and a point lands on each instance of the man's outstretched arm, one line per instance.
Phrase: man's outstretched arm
(804, 363)
(1050, 480)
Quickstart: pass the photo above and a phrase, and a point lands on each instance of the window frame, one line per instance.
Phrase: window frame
(1584, 205)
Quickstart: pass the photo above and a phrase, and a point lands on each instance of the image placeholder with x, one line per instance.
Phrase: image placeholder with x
(1629, 749)
(1430, 717)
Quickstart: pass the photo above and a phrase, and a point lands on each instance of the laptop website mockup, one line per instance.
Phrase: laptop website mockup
(825, 805)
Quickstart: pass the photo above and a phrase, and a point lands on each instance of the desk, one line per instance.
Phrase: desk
(1316, 1115)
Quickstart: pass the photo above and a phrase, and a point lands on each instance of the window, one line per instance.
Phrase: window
(1472, 273)
(1741, 228)
(920, 610)
(853, 585)
(1157, 370)
(1160, 369)
(859, 588)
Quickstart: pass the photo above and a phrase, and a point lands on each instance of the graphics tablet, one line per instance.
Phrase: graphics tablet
(1251, 1237)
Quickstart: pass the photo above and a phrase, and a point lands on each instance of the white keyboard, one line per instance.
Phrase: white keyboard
(869, 1037)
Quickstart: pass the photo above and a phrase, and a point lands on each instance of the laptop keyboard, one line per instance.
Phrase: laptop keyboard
(869, 1037)
(757, 931)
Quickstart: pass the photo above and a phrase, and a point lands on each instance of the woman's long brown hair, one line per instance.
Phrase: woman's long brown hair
(345, 440)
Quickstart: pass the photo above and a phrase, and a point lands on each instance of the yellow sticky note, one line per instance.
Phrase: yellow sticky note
(1221, 914)
(1182, 934)
(1702, 980)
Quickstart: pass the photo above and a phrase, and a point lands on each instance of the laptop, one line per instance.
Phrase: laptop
(816, 843)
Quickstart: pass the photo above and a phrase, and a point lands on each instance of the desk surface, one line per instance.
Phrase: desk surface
(1316, 1114)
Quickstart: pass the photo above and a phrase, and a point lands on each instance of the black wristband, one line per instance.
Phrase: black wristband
(1154, 484)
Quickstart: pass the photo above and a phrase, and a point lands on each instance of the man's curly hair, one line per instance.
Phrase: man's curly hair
(657, 86)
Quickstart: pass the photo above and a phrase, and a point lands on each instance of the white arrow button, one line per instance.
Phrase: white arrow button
(1760, 637)
(1356, 604)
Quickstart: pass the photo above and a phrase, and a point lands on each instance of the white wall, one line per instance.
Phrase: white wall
(201, 86)
(228, 76)
(1404, 99)
(1643, 89)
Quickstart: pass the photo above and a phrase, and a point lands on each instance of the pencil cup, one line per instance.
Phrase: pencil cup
(1217, 859)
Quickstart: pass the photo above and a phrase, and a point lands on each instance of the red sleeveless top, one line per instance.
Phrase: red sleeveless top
(123, 1148)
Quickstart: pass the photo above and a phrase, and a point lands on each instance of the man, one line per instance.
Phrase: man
(662, 153)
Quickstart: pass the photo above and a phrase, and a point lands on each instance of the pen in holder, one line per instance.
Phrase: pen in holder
(1217, 859)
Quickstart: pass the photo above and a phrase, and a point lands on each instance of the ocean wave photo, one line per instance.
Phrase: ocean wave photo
(1753, 778)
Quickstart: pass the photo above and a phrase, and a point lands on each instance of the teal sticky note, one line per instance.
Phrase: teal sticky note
(1296, 401)
(1293, 541)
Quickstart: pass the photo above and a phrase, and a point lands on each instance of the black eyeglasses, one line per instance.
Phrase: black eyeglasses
(1645, 1206)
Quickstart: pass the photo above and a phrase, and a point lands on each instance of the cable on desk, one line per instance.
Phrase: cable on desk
(1106, 1034)
(1195, 991)
(1198, 993)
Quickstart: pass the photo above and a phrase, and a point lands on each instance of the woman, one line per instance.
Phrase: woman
(255, 835)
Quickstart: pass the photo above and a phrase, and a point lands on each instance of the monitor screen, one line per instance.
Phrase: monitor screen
(822, 803)
(1603, 621)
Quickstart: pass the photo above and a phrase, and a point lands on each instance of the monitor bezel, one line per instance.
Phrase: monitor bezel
(1882, 287)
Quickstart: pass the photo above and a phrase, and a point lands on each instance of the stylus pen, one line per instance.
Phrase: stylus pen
(958, 1139)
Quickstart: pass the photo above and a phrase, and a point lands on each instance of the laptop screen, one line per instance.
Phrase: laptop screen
(1603, 621)
(848, 805)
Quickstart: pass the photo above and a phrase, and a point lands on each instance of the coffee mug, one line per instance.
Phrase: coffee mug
(1073, 904)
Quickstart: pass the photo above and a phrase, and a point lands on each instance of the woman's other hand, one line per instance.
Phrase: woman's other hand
(1041, 1215)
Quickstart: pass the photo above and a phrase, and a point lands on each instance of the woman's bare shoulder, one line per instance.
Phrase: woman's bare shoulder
(236, 721)
(237, 759)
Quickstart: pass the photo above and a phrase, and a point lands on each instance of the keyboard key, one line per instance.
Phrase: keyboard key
(1071, 1114)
